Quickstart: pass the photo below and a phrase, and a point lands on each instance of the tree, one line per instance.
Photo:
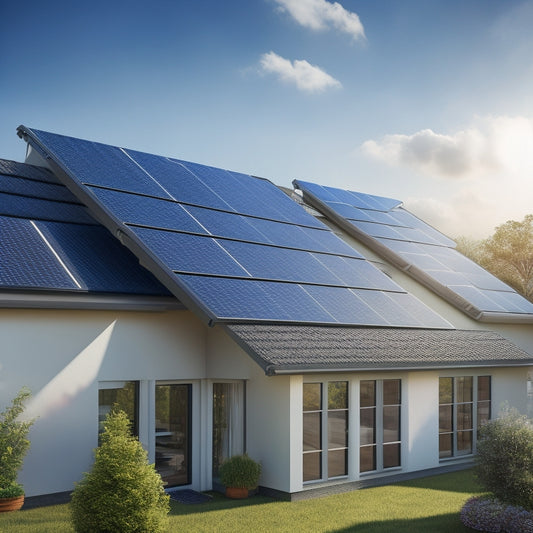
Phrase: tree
(510, 254)
(122, 492)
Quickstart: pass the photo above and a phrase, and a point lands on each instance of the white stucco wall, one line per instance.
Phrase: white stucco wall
(62, 355)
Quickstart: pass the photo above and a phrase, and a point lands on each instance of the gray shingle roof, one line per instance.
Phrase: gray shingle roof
(296, 349)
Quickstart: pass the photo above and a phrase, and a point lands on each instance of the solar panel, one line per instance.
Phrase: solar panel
(231, 246)
(418, 244)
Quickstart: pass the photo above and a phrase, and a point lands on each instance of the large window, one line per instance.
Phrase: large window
(325, 430)
(122, 394)
(464, 404)
(380, 416)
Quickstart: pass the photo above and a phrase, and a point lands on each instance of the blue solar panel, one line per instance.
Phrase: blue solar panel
(99, 164)
(35, 189)
(257, 300)
(26, 261)
(98, 261)
(146, 211)
(348, 307)
(190, 253)
(327, 241)
(279, 263)
(175, 178)
(37, 209)
(377, 230)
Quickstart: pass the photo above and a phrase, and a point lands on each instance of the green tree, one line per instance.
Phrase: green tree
(122, 492)
(509, 254)
(14, 444)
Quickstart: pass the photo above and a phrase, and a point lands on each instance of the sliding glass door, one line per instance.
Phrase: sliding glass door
(173, 433)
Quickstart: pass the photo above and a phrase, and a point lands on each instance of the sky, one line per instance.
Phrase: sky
(429, 101)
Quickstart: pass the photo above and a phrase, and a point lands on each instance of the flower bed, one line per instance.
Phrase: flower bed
(491, 515)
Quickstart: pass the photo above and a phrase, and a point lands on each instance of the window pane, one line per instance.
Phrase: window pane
(312, 396)
(464, 416)
(483, 413)
(368, 393)
(312, 431)
(124, 396)
(464, 442)
(391, 423)
(312, 466)
(338, 395)
(391, 455)
(445, 418)
(445, 445)
(391, 392)
(464, 389)
(337, 463)
(368, 425)
(337, 429)
(483, 388)
(445, 390)
(367, 458)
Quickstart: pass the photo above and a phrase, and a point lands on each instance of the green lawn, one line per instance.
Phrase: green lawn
(424, 505)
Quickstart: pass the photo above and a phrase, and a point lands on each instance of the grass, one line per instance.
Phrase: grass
(428, 504)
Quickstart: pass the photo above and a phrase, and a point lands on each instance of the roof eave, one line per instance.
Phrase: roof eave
(274, 370)
(86, 301)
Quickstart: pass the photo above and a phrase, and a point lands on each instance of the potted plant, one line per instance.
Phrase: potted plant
(239, 474)
(14, 444)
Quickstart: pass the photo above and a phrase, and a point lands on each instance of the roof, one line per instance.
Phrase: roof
(234, 248)
(430, 257)
(50, 243)
(231, 247)
(280, 349)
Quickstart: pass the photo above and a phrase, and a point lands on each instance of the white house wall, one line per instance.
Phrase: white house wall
(62, 355)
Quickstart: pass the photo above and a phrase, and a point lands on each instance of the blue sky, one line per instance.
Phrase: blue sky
(427, 101)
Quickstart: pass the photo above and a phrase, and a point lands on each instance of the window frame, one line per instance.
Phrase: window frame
(379, 442)
(457, 404)
(325, 416)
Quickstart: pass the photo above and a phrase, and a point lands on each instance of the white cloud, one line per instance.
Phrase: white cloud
(320, 15)
(491, 146)
(305, 76)
(485, 173)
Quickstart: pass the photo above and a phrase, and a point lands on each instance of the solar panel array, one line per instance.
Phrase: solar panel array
(50, 242)
(231, 246)
(418, 244)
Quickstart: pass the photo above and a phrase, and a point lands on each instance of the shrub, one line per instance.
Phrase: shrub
(122, 492)
(505, 458)
(14, 442)
(240, 471)
(12, 491)
(490, 515)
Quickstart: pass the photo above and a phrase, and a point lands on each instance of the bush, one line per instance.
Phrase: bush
(504, 464)
(490, 515)
(12, 491)
(14, 441)
(122, 492)
(240, 471)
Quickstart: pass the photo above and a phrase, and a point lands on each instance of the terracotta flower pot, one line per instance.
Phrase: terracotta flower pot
(11, 504)
(236, 493)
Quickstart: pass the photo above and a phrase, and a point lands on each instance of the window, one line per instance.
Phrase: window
(228, 422)
(325, 430)
(123, 394)
(464, 404)
(379, 424)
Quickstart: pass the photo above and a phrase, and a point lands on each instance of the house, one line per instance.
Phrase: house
(332, 335)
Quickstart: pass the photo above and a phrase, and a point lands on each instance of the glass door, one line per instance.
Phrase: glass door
(173, 433)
